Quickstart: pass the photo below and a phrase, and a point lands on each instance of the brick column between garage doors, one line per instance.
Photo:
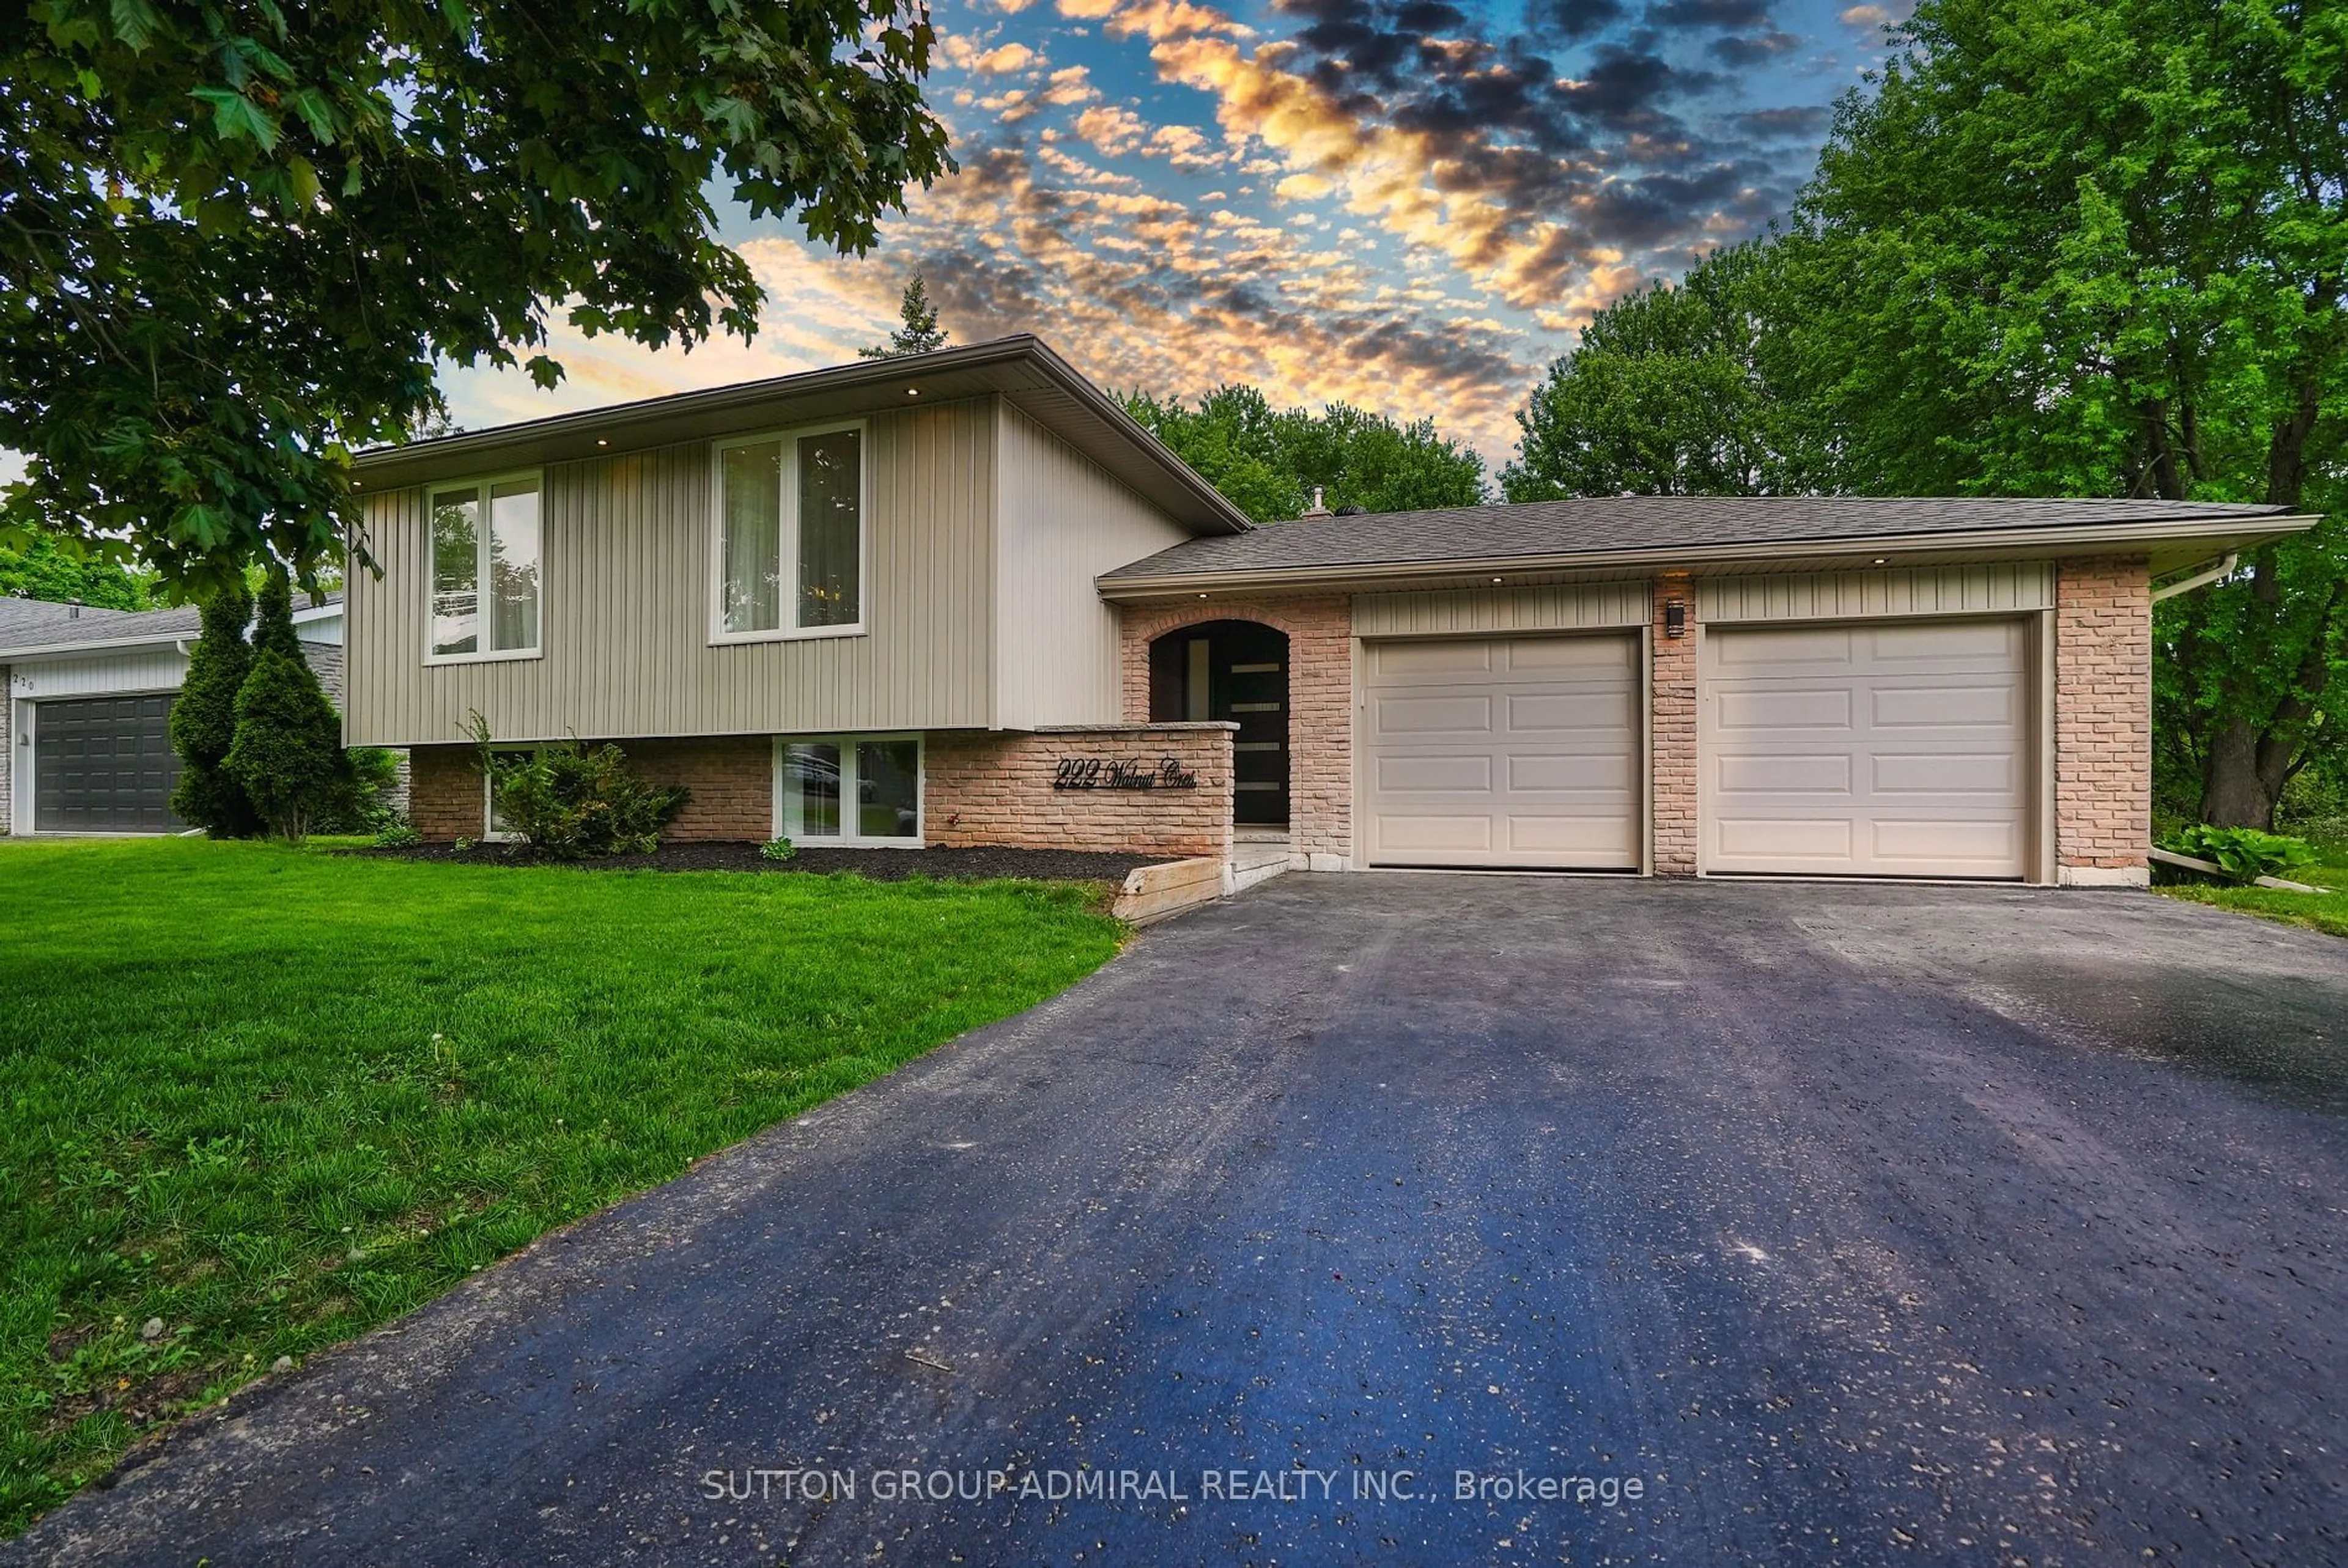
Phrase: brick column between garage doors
(1320, 629)
(1672, 764)
(2103, 722)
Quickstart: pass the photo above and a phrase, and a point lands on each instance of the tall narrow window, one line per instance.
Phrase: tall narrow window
(790, 534)
(753, 545)
(830, 528)
(486, 557)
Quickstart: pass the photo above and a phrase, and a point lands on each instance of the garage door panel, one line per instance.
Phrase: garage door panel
(1938, 840)
(1502, 751)
(1795, 774)
(1780, 649)
(1946, 645)
(1808, 708)
(1533, 713)
(1430, 835)
(1913, 760)
(1576, 835)
(1945, 707)
(1438, 774)
(1406, 664)
(1405, 717)
(1602, 658)
(1997, 775)
(1534, 772)
(1814, 839)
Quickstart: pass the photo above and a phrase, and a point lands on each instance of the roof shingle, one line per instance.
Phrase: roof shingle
(1627, 523)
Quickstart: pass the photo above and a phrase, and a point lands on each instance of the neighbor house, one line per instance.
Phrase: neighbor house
(962, 599)
(84, 736)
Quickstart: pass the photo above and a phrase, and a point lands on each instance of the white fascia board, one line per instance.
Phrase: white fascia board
(96, 648)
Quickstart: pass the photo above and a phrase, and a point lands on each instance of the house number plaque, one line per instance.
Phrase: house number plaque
(1108, 773)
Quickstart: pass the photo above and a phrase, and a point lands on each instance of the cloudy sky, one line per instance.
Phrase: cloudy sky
(1405, 204)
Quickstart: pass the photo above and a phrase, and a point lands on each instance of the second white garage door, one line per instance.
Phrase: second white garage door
(1502, 751)
(1889, 748)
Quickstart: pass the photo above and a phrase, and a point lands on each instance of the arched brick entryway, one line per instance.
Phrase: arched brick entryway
(1234, 671)
(1319, 628)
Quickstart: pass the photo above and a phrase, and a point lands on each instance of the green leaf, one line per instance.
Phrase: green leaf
(315, 111)
(135, 22)
(235, 116)
(304, 180)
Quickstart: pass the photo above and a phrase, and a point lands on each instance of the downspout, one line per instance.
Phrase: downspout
(2199, 578)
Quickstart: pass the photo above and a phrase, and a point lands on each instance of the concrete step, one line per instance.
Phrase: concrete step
(1255, 860)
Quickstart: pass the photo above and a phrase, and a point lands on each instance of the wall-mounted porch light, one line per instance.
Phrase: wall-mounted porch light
(1675, 618)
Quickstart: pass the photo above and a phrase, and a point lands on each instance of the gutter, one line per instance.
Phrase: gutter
(1112, 587)
(2225, 568)
(104, 645)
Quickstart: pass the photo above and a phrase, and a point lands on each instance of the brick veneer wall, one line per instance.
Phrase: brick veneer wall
(732, 778)
(2103, 721)
(1672, 767)
(983, 788)
(1320, 629)
(444, 792)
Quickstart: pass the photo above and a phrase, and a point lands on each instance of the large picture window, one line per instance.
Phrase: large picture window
(849, 789)
(790, 535)
(486, 551)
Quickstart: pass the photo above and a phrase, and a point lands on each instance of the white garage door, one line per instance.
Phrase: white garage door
(1505, 752)
(1892, 749)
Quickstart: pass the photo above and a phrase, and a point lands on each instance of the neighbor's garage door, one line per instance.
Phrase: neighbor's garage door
(1505, 752)
(1889, 748)
(104, 764)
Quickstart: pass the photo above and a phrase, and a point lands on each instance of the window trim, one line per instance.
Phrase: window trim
(484, 484)
(847, 742)
(790, 435)
(490, 832)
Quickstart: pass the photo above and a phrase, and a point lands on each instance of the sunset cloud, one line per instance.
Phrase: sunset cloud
(1409, 205)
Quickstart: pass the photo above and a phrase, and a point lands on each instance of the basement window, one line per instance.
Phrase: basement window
(850, 790)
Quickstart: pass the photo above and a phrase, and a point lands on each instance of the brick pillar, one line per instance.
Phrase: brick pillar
(444, 794)
(2103, 722)
(1672, 681)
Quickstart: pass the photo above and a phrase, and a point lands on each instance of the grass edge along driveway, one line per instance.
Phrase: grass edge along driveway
(2324, 911)
(261, 1100)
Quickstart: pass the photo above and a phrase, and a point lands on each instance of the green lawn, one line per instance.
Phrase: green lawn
(259, 1099)
(2326, 911)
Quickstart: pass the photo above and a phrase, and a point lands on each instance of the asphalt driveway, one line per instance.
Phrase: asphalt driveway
(1847, 1222)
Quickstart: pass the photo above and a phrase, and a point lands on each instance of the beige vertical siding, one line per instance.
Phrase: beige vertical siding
(1851, 595)
(625, 614)
(1555, 607)
(1061, 521)
(149, 670)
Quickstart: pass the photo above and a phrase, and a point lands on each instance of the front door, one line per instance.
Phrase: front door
(1235, 671)
(1253, 682)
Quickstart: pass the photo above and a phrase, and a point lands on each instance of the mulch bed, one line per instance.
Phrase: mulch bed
(878, 864)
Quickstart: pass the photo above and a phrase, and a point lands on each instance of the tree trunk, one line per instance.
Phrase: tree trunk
(2233, 793)
(2249, 762)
